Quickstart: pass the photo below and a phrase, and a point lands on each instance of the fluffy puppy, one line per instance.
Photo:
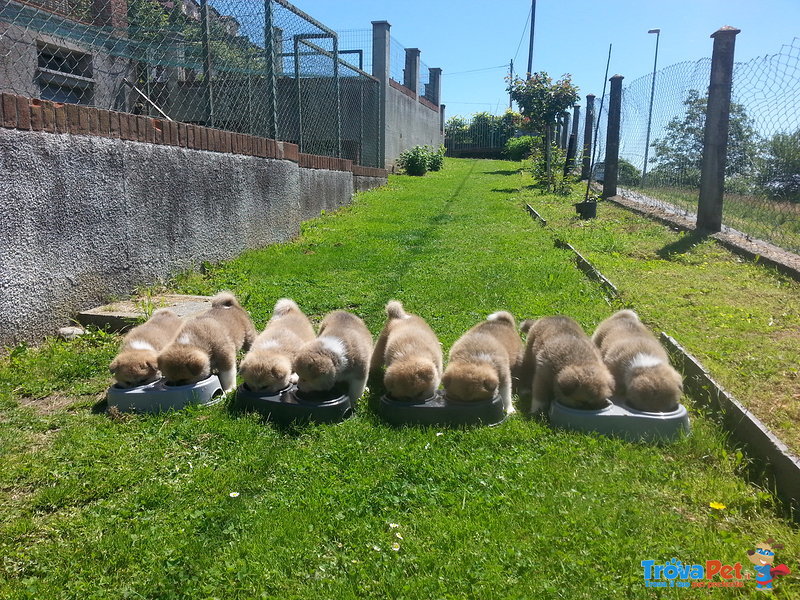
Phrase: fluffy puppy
(639, 363)
(341, 352)
(268, 366)
(482, 361)
(208, 344)
(412, 354)
(137, 361)
(565, 365)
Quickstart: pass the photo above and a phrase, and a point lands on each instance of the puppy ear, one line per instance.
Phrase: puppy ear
(114, 366)
(568, 381)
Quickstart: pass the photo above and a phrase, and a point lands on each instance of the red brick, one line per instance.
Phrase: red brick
(190, 136)
(124, 127)
(94, 121)
(37, 117)
(23, 113)
(158, 130)
(114, 123)
(61, 118)
(173, 133)
(83, 120)
(9, 110)
(182, 133)
(291, 151)
(73, 118)
(141, 128)
(104, 122)
(48, 116)
(204, 138)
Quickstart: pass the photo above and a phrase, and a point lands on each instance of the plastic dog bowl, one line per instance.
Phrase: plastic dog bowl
(437, 410)
(619, 420)
(158, 396)
(293, 406)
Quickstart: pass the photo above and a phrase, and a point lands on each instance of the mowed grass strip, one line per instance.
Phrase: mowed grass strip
(741, 319)
(141, 507)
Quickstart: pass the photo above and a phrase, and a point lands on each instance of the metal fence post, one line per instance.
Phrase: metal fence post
(587, 137)
(715, 141)
(338, 97)
(209, 87)
(269, 60)
(611, 166)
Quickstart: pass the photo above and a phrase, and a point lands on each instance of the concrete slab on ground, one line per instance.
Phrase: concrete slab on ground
(122, 315)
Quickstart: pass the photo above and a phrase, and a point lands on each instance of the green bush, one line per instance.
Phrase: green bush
(435, 158)
(557, 182)
(628, 175)
(519, 148)
(414, 161)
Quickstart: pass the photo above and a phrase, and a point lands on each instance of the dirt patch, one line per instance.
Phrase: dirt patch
(56, 403)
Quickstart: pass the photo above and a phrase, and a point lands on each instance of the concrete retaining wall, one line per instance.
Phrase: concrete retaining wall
(409, 123)
(90, 217)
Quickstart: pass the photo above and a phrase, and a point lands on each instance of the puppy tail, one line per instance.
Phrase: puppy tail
(503, 316)
(163, 312)
(395, 310)
(526, 325)
(283, 307)
(224, 300)
(627, 314)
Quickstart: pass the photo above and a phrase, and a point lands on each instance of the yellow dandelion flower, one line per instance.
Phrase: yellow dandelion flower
(717, 505)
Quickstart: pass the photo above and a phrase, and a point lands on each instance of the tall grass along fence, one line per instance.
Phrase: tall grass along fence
(263, 68)
(760, 176)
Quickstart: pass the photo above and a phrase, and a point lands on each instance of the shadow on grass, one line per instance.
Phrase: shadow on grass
(682, 245)
(503, 172)
(506, 190)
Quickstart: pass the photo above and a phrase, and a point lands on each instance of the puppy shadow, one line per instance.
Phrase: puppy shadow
(682, 245)
(506, 190)
(504, 172)
(100, 407)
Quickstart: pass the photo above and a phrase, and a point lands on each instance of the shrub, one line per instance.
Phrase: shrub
(557, 183)
(414, 161)
(435, 158)
(628, 175)
(519, 148)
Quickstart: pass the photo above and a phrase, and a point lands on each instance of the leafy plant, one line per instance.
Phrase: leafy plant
(519, 148)
(541, 101)
(628, 174)
(780, 175)
(414, 161)
(555, 181)
(435, 158)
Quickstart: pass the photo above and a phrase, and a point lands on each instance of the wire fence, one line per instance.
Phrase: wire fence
(262, 68)
(762, 174)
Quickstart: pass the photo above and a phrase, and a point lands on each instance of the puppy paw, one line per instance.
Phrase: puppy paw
(294, 378)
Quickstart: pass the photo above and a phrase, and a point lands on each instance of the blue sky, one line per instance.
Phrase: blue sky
(570, 37)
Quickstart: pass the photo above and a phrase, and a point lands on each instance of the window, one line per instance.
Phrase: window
(64, 75)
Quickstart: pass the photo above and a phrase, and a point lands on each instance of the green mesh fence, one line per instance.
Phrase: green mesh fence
(252, 66)
(762, 178)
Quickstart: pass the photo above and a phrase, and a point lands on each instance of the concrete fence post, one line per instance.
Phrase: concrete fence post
(611, 167)
(433, 90)
(270, 61)
(411, 71)
(572, 149)
(564, 130)
(588, 128)
(441, 118)
(380, 70)
(715, 141)
(207, 75)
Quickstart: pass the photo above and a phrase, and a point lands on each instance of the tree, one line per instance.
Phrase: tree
(780, 172)
(541, 101)
(679, 154)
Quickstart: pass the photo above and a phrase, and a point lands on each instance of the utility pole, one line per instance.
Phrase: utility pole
(510, 80)
(530, 44)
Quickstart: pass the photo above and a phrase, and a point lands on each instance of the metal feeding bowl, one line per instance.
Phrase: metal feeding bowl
(619, 420)
(438, 410)
(293, 406)
(158, 396)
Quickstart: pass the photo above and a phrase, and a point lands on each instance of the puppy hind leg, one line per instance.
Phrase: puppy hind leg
(227, 378)
(505, 391)
(356, 387)
(541, 389)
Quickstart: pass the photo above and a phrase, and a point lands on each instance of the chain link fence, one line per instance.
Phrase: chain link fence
(257, 67)
(762, 175)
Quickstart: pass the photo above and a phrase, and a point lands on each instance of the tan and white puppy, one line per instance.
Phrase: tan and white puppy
(208, 344)
(340, 353)
(137, 361)
(411, 353)
(268, 367)
(482, 361)
(639, 363)
(565, 365)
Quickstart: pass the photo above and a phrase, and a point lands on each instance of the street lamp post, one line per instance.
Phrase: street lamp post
(650, 113)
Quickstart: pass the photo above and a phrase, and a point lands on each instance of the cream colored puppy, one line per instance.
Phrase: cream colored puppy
(482, 361)
(208, 344)
(268, 367)
(565, 365)
(341, 352)
(411, 353)
(137, 362)
(639, 363)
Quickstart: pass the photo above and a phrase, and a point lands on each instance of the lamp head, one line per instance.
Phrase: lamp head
(654, 31)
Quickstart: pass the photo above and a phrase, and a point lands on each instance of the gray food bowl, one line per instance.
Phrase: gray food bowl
(439, 411)
(158, 396)
(619, 420)
(293, 406)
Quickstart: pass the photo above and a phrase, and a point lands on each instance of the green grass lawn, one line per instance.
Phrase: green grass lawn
(141, 507)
